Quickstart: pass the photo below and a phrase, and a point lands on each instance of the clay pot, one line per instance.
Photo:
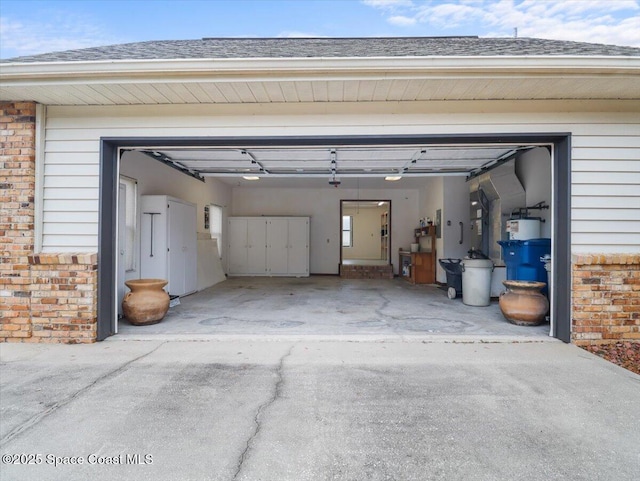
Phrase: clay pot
(147, 303)
(523, 303)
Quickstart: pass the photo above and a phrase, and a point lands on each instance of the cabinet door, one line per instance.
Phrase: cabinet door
(256, 246)
(238, 246)
(298, 260)
(182, 248)
(154, 256)
(277, 246)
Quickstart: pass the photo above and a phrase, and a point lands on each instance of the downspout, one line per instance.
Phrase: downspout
(41, 121)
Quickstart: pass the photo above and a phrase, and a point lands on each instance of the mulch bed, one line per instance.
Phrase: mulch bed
(625, 354)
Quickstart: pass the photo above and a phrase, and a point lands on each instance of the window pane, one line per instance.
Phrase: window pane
(346, 238)
(346, 222)
(215, 225)
(130, 222)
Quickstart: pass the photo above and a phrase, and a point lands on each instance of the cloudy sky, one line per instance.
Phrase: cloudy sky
(33, 26)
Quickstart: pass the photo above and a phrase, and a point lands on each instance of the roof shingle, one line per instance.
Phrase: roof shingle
(226, 48)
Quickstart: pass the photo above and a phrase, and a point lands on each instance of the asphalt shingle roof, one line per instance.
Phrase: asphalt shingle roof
(224, 48)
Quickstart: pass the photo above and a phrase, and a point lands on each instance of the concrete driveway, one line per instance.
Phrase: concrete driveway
(316, 410)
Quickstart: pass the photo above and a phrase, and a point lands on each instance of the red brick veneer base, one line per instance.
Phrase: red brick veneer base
(605, 298)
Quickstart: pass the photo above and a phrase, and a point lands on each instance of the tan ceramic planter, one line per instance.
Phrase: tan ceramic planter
(523, 303)
(147, 303)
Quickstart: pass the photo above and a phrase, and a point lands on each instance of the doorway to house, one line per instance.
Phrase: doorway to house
(365, 227)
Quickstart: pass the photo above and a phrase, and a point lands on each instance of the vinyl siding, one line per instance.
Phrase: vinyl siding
(605, 152)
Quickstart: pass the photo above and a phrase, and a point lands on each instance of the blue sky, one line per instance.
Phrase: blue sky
(33, 26)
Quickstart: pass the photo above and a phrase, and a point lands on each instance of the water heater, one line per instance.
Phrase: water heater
(523, 229)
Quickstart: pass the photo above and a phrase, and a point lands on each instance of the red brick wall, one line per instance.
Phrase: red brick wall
(366, 272)
(43, 298)
(63, 297)
(17, 188)
(606, 298)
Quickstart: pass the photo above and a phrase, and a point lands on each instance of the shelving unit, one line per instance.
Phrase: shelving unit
(384, 236)
(420, 267)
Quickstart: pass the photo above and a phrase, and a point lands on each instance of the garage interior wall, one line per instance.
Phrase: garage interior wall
(450, 195)
(323, 206)
(533, 168)
(155, 178)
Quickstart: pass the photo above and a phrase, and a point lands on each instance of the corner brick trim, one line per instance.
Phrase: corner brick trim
(605, 259)
(66, 258)
(605, 298)
(49, 297)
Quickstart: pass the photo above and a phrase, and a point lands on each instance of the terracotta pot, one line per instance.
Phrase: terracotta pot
(147, 303)
(523, 303)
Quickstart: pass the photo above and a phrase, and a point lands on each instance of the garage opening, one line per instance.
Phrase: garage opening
(303, 170)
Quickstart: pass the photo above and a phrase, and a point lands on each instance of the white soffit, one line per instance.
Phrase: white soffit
(223, 81)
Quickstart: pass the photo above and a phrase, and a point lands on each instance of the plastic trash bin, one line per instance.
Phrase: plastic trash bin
(546, 262)
(522, 258)
(454, 276)
(476, 281)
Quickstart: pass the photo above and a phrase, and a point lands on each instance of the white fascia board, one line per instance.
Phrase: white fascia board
(276, 68)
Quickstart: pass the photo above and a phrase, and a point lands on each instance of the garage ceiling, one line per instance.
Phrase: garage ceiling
(315, 165)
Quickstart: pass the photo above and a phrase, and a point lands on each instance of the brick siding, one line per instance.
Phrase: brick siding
(46, 297)
(366, 272)
(606, 298)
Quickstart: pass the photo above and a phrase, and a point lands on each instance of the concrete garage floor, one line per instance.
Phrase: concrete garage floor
(330, 307)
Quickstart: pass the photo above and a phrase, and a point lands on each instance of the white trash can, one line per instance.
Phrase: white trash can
(546, 260)
(476, 281)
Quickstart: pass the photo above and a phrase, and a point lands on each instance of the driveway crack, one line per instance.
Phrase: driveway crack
(35, 419)
(257, 418)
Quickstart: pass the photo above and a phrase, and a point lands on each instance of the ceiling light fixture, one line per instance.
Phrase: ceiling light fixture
(393, 178)
(380, 204)
(250, 177)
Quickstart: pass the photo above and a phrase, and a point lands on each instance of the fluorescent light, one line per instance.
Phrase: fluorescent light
(250, 177)
(393, 178)
(475, 202)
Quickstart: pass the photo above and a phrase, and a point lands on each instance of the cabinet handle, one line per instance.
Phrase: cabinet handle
(461, 232)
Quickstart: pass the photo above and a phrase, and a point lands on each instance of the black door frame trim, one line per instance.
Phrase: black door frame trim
(561, 175)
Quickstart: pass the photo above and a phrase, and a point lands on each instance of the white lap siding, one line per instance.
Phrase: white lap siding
(605, 152)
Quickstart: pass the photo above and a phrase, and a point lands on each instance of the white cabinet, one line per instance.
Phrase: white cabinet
(169, 242)
(269, 246)
(247, 241)
(288, 246)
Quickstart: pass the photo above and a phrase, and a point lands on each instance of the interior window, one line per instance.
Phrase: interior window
(347, 226)
(215, 225)
(131, 190)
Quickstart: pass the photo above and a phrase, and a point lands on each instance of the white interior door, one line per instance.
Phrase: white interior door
(277, 246)
(122, 226)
